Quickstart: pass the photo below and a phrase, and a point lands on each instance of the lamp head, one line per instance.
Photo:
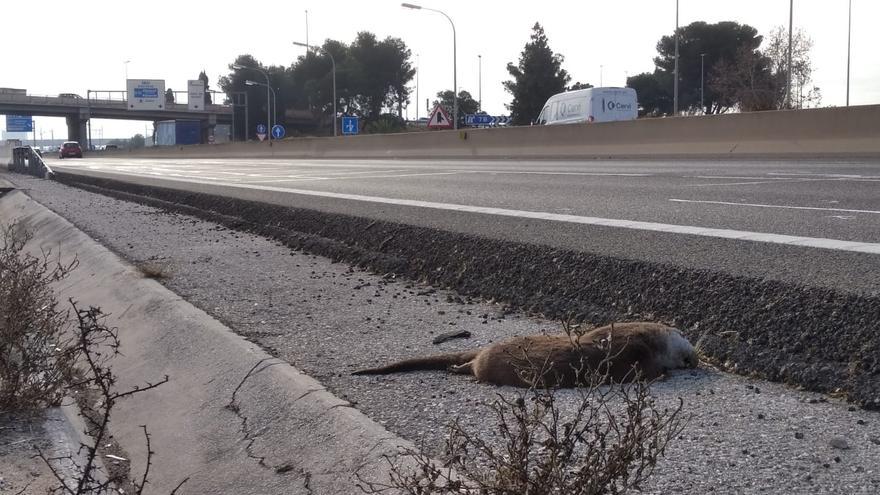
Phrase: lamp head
(410, 6)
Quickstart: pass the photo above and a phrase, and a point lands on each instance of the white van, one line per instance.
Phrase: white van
(590, 105)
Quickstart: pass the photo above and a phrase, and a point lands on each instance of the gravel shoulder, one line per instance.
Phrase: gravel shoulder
(328, 319)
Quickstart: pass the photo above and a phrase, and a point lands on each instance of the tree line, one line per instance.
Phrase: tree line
(722, 67)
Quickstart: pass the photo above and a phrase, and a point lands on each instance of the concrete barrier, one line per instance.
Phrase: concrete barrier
(849, 131)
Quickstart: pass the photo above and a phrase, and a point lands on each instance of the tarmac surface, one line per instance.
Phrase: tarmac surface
(786, 204)
(327, 319)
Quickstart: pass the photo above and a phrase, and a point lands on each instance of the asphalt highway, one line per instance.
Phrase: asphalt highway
(815, 222)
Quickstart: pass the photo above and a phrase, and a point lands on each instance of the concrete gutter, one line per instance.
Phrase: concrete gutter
(288, 434)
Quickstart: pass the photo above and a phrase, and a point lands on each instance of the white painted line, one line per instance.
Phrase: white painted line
(874, 212)
(816, 242)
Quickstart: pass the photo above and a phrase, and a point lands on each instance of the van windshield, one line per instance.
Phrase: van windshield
(542, 117)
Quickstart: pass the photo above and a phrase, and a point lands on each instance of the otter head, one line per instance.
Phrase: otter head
(679, 352)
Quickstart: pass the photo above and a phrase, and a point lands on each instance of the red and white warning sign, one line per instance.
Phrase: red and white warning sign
(439, 119)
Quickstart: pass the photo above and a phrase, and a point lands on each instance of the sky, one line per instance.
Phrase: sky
(602, 41)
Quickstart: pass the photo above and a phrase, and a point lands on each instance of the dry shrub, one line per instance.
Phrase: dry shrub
(95, 388)
(608, 440)
(36, 356)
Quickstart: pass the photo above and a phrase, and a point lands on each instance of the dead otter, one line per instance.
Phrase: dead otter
(650, 349)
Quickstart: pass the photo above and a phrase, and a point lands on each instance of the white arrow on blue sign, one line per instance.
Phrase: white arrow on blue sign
(483, 119)
(349, 125)
(261, 128)
(277, 131)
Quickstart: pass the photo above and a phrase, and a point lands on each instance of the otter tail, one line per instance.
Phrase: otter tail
(436, 362)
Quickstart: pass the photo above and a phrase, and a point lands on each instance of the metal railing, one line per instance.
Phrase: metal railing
(110, 98)
(27, 161)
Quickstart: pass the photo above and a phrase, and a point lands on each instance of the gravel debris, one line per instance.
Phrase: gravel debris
(329, 319)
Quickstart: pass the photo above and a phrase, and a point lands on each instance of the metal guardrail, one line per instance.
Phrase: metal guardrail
(27, 161)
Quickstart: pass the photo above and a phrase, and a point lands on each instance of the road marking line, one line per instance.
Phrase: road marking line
(756, 205)
(815, 242)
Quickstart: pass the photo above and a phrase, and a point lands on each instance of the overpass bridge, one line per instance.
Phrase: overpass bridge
(78, 111)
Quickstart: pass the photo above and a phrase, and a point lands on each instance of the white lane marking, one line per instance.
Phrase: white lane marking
(596, 174)
(815, 242)
(305, 179)
(787, 207)
(731, 184)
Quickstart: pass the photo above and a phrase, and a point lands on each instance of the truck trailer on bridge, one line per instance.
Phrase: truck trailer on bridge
(178, 132)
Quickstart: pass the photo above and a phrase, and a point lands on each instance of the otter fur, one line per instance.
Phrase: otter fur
(619, 352)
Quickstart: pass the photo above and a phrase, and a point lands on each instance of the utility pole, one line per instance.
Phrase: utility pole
(675, 71)
(307, 28)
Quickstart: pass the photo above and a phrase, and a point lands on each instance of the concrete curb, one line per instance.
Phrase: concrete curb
(288, 434)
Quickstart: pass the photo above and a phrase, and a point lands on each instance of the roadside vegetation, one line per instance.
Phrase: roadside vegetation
(46, 357)
(723, 67)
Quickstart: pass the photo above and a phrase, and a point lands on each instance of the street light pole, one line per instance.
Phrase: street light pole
(675, 71)
(274, 99)
(333, 62)
(454, 60)
(790, 22)
(268, 101)
(480, 81)
(126, 69)
(307, 26)
(418, 69)
(848, 48)
(702, 75)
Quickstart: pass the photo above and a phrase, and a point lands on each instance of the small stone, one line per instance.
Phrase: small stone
(799, 435)
(861, 422)
(837, 459)
(760, 416)
(839, 443)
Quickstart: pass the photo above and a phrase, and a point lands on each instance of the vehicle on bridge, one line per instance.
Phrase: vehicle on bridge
(70, 149)
(589, 105)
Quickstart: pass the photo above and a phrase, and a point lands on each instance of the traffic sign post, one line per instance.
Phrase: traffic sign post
(261, 131)
(350, 125)
(277, 131)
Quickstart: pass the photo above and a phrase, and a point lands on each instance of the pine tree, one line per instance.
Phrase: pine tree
(538, 76)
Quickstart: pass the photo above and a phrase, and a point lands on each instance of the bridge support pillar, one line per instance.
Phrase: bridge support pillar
(76, 129)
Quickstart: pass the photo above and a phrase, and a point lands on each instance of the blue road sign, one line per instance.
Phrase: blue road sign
(146, 92)
(349, 125)
(261, 128)
(277, 131)
(477, 119)
(19, 123)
